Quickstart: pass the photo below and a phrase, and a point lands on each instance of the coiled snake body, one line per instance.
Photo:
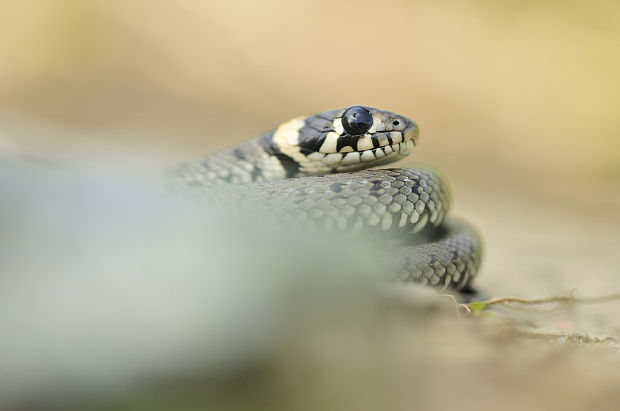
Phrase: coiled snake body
(306, 171)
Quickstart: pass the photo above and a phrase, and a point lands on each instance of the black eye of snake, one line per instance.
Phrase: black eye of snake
(356, 120)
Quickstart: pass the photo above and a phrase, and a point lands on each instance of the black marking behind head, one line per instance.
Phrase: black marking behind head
(291, 167)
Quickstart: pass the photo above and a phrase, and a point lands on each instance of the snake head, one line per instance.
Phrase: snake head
(346, 139)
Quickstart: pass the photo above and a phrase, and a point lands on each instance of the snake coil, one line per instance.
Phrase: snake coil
(307, 171)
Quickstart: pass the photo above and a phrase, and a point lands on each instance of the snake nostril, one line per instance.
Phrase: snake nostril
(395, 122)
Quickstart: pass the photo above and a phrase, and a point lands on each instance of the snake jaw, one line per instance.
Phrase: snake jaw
(390, 138)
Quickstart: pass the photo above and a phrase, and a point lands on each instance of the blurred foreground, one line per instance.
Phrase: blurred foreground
(116, 294)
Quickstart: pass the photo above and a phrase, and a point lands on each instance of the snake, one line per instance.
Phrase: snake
(315, 171)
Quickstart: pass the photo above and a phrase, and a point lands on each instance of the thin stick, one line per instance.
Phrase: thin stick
(459, 307)
(569, 299)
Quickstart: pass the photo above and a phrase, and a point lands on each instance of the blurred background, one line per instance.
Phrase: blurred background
(517, 103)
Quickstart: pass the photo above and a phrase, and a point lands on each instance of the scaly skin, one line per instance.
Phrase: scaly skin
(273, 173)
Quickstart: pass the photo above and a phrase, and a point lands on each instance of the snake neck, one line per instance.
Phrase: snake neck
(256, 160)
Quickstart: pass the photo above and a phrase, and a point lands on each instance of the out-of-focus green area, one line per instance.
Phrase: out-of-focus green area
(532, 86)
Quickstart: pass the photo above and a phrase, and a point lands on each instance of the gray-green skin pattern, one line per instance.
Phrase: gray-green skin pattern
(405, 208)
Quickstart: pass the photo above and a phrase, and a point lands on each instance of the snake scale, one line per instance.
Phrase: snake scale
(311, 171)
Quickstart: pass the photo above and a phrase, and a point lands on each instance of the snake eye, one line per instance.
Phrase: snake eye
(356, 120)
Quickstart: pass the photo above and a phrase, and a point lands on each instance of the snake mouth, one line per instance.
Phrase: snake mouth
(411, 133)
(367, 150)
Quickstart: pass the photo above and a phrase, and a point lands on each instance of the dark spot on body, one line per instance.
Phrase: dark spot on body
(376, 185)
(337, 187)
(266, 141)
(256, 173)
(238, 154)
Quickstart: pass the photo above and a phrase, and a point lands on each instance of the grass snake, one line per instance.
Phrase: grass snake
(312, 171)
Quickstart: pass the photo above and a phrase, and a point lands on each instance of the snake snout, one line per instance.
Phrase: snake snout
(412, 132)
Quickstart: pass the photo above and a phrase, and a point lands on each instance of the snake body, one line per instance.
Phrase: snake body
(307, 172)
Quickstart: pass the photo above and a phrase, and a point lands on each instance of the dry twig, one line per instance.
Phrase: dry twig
(514, 302)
